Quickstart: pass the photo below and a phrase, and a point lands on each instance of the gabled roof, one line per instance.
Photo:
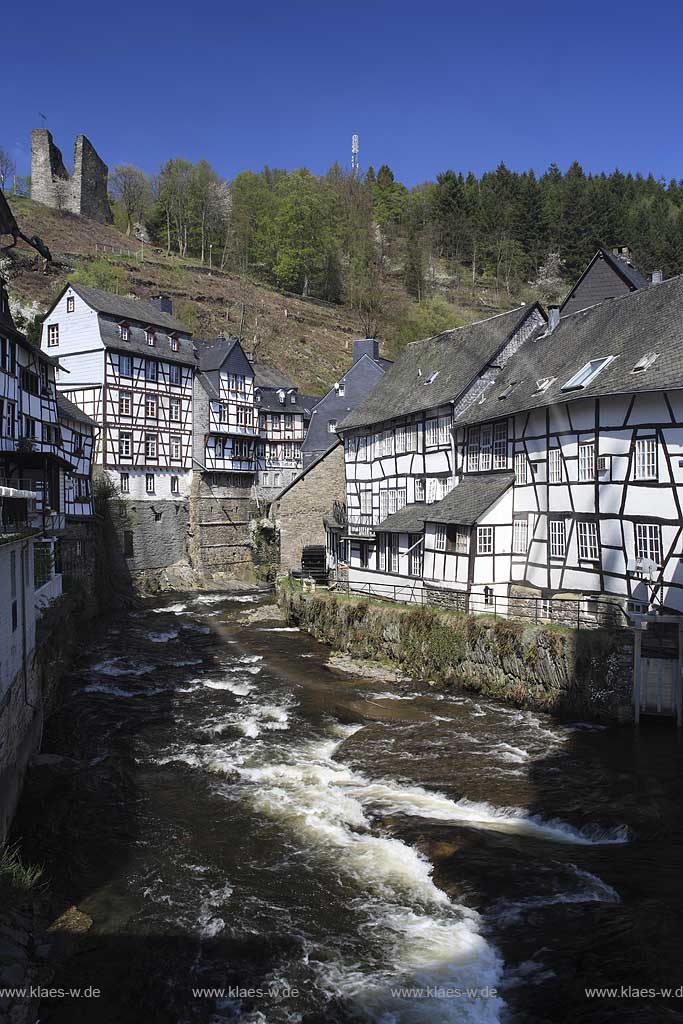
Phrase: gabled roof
(126, 308)
(467, 502)
(623, 268)
(212, 354)
(456, 357)
(627, 328)
(69, 411)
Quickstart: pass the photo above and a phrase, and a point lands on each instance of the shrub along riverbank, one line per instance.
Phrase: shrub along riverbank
(553, 668)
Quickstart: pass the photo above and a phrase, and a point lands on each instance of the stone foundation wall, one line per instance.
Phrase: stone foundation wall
(587, 672)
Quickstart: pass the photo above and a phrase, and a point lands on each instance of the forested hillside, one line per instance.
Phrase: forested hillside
(296, 264)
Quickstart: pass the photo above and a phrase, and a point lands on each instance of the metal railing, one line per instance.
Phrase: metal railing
(575, 613)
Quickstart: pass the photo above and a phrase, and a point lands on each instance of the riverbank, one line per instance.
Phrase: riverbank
(547, 667)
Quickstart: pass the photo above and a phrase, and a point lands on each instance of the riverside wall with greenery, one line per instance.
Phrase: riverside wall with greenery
(583, 672)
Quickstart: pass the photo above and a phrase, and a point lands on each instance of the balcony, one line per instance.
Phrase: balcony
(231, 465)
(360, 524)
(283, 463)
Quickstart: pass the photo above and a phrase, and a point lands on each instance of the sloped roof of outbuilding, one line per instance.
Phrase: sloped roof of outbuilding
(467, 502)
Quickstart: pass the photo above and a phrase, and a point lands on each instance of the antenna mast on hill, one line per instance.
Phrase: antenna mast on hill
(354, 156)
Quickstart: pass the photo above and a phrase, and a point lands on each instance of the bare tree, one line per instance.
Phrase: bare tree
(8, 169)
(367, 295)
(131, 187)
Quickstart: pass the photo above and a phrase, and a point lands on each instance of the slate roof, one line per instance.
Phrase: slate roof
(468, 501)
(126, 308)
(68, 410)
(212, 354)
(626, 269)
(137, 342)
(458, 355)
(628, 327)
(409, 519)
(269, 402)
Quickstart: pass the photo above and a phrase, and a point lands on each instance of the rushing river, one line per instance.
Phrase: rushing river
(352, 851)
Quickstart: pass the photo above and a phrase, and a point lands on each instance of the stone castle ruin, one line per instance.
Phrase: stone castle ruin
(84, 192)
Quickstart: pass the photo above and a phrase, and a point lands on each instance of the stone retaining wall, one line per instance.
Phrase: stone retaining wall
(584, 672)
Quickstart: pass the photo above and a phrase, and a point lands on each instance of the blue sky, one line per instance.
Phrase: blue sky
(427, 87)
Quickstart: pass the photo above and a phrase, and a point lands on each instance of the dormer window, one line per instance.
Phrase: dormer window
(292, 399)
(124, 331)
(341, 388)
(281, 397)
(431, 378)
(587, 373)
(645, 362)
(175, 344)
(151, 338)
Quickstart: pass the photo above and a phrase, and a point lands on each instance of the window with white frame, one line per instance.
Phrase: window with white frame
(415, 554)
(484, 540)
(151, 338)
(485, 443)
(400, 440)
(174, 409)
(125, 403)
(646, 458)
(397, 499)
(125, 443)
(125, 366)
(149, 483)
(175, 345)
(150, 407)
(473, 449)
(587, 461)
(411, 437)
(554, 466)
(500, 444)
(174, 376)
(437, 432)
(521, 468)
(420, 488)
(649, 541)
(124, 331)
(444, 484)
(587, 538)
(366, 501)
(151, 369)
(558, 538)
(331, 426)
(439, 536)
(151, 446)
(176, 446)
(462, 541)
(174, 485)
(520, 536)
(52, 335)
(70, 304)
(125, 483)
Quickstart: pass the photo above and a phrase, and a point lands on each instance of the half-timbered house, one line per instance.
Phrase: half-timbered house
(129, 365)
(283, 417)
(225, 419)
(401, 459)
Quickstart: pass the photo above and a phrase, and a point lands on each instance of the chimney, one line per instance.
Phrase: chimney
(163, 303)
(657, 277)
(623, 252)
(365, 347)
(553, 318)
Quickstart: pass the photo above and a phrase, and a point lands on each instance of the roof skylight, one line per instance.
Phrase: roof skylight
(507, 391)
(432, 377)
(645, 362)
(587, 374)
(543, 384)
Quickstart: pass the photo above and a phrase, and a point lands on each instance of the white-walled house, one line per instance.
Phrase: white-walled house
(565, 462)
(401, 457)
(129, 365)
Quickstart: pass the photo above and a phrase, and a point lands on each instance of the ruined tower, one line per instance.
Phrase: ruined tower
(83, 192)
